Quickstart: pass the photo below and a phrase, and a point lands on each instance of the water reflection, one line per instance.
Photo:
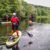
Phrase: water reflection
(29, 43)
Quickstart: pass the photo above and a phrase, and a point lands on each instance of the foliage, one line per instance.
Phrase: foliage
(22, 9)
(19, 6)
(43, 19)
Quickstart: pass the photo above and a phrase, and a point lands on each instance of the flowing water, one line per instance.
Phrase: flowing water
(39, 41)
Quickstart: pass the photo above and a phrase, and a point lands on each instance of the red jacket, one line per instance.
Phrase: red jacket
(14, 20)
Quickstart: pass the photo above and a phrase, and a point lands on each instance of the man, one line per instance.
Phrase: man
(15, 22)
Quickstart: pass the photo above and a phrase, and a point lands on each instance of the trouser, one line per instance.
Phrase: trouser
(15, 26)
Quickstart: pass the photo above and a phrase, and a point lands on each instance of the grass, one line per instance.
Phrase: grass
(3, 32)
(43, 19)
